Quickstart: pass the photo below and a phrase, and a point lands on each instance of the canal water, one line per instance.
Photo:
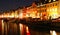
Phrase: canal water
(7, 28)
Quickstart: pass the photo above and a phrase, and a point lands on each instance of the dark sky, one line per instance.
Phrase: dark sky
(14, 4)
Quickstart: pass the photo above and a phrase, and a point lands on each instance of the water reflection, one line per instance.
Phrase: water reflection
(24, 30)
(27, 31)
(53, 32)
(2, 27)
(21, 29)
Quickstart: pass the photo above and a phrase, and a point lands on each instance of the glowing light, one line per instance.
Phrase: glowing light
(27, 31)
(53, 32)
(16, 14)
(47, 10)
(55, 9)
(53, 13)
(50, 10)
(5, 16)
(54, 16)
(38, 15)
(1, 16)
(12, 15)
(54, 0)
(49, 0)
(41, 16)
(33, 15)
(27, 15)
(21, 28)
(2, 27)
(21, 15)
(8, 15)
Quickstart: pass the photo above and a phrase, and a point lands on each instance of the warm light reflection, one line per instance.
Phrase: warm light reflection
(2, 28)
(21, 28)
(53, 32)
(27, 31)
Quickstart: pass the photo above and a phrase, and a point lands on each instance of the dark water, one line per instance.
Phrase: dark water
(21, 29)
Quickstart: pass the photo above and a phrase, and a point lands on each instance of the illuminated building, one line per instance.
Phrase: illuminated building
(20, 13)
(32, 10)
(50, 8)
(43, 12)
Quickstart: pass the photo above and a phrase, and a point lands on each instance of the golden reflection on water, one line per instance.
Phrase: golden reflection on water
(53, 32)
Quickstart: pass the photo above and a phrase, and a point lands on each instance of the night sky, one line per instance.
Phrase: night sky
(14, 4)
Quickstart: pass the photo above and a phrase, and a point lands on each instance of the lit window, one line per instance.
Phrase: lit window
(54, 0)
(55, 9)
(21, 15)
(27, 15)
(49, 0)
(50, 10)
(47, 10)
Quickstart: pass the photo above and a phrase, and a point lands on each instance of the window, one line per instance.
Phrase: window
(54, 0)
(49, 0)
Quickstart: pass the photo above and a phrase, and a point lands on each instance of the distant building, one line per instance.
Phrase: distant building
(49, 9)
(46, 9)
